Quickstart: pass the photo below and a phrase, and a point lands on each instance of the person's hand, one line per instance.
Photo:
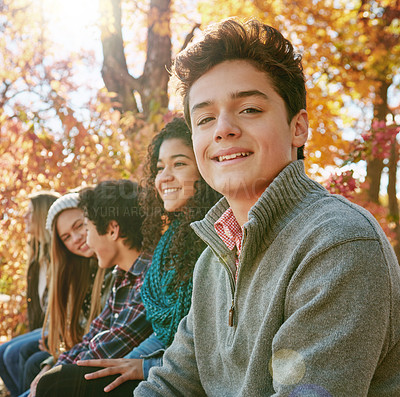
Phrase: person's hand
(42, 345)
(129, 368)
(35, 381)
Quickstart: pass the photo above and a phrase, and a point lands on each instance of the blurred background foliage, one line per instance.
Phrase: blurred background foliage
(70, 118)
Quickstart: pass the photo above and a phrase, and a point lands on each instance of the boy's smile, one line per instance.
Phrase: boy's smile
(241, 135)
(231, 155)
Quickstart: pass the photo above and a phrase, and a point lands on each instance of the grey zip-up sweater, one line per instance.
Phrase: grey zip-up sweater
(316, 307)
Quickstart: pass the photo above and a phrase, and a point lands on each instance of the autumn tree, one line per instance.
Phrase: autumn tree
(45, 141)
(380, 21)
(146, 95)
(360, 41)
(359, 44)
(151, 86)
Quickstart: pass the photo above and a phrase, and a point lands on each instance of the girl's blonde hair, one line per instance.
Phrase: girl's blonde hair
(70, 284)
(38, 253)
(40, 238)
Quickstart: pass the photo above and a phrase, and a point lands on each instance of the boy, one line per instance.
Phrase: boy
(114, 233)
(299, 290)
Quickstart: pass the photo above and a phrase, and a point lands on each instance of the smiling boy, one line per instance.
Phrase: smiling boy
(298, 292)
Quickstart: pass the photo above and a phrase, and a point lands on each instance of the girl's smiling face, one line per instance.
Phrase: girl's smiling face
(72, 231)
(177, 174)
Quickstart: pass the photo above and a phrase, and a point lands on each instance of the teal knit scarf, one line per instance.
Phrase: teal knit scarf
(164, 307)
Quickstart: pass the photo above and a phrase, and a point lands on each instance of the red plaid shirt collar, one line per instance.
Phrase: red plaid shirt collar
(229, 230)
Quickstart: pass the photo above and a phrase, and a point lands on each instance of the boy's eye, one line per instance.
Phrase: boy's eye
(250, 110)
(179, 164)
(205, 120)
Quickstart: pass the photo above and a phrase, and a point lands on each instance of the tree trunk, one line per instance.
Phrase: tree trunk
(374, 172)
(375, 165)
(152, 85)
(115, 71)
(392, 198)
(154, 81)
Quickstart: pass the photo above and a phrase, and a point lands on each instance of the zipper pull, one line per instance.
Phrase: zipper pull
(231, 313)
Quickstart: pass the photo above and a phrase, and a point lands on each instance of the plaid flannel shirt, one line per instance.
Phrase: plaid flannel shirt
(122, 324)
(231, 233)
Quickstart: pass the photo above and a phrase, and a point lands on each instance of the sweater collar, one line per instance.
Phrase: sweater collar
(290, 192)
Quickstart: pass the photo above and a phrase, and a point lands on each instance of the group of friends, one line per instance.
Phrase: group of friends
(228, 271)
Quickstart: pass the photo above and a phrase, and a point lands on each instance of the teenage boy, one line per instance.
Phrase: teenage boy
(114, 233)
(298, 292)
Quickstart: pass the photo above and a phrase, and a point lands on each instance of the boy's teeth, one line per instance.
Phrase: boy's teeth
(232, 156)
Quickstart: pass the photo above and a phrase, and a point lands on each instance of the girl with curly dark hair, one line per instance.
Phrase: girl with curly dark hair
(173, 195)
(187, 202)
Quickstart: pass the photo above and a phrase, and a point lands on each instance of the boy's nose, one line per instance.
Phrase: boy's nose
(226, 128)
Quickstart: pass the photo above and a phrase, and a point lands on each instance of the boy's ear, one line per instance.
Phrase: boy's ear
(113, 230)
(299, 127)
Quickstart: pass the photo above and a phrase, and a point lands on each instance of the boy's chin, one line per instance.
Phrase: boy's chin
(104, 265)
(230, 188)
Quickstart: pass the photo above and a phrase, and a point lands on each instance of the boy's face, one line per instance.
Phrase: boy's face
(102, 245)
(241, 136)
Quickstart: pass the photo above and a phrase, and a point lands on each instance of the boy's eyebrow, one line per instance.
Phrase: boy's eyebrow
(245, 94)
(234, 95)
(201, 105)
